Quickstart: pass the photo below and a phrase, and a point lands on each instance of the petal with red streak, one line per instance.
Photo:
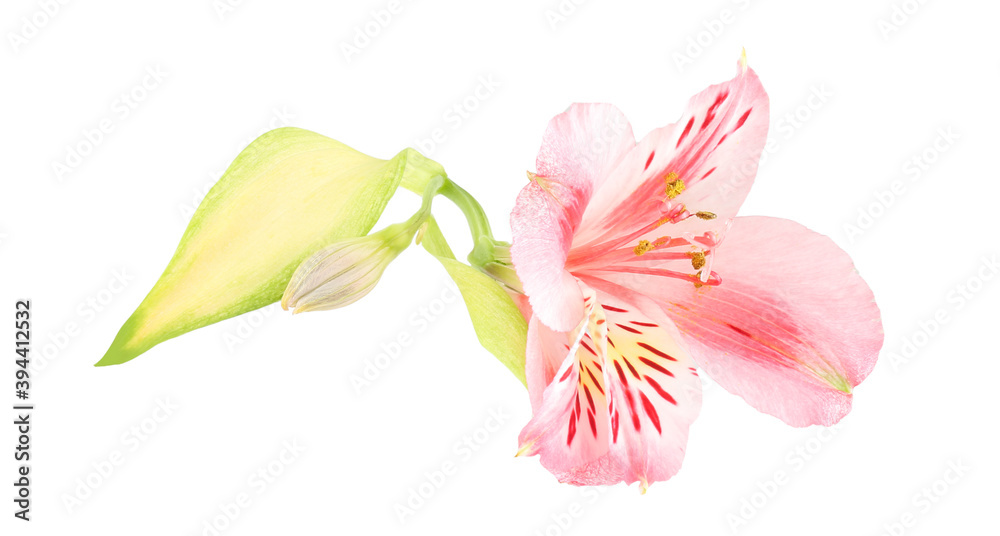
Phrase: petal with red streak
(793, 327)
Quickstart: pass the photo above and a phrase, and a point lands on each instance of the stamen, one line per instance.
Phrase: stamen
(697, 259)
(705, 215)
(643, 247)
(675, 186)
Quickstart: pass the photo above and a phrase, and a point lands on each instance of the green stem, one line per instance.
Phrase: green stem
(487, 255)
(479, 226)
(473, 211)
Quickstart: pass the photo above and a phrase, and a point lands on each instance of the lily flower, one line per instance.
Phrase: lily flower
(638, 273)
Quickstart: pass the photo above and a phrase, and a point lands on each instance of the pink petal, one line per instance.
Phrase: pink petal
(714, 149)
(578, 151)
(655, 392)
(582, 145)
(640, 433)
(792, 328)
(570, 425)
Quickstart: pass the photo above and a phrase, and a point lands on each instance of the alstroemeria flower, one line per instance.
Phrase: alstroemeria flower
(638, 272)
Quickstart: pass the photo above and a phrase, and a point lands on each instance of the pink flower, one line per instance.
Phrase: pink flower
(638, 272)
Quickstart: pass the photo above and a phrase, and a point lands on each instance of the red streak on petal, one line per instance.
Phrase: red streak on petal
(587, 346)
(572, 430)
(615, 309)
(687, 130)
(631, 368)
(664, 355)
(631, 410)
(743, 119)
(650, 411)
(741, 331)
(614, 427)
(645, 324)
(593, 423)
(566, 374)
(596, 383)
(621, 374)
(590, 399)
(709, 172)
(630, 329)
(656, 366)
(659, 390)
(711, 109)
(650, 159)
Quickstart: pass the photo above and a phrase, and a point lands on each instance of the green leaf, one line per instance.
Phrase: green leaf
(498, 323)
(288, 194)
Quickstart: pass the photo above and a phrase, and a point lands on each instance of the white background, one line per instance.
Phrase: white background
(890, 85)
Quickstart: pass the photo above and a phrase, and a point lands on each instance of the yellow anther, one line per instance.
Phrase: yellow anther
(660, 241)
(643, 247)
(705, 215)
(697, 259)
(697, 280)
(674, 185)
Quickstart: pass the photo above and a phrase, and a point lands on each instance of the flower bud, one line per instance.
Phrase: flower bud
(347, 270)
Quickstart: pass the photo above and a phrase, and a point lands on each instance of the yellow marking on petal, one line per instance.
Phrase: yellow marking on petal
(675, 186)
(697, 259)
(705, 215)
(524, 449)
(643, 247)
(643, 486)
(743, 60)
